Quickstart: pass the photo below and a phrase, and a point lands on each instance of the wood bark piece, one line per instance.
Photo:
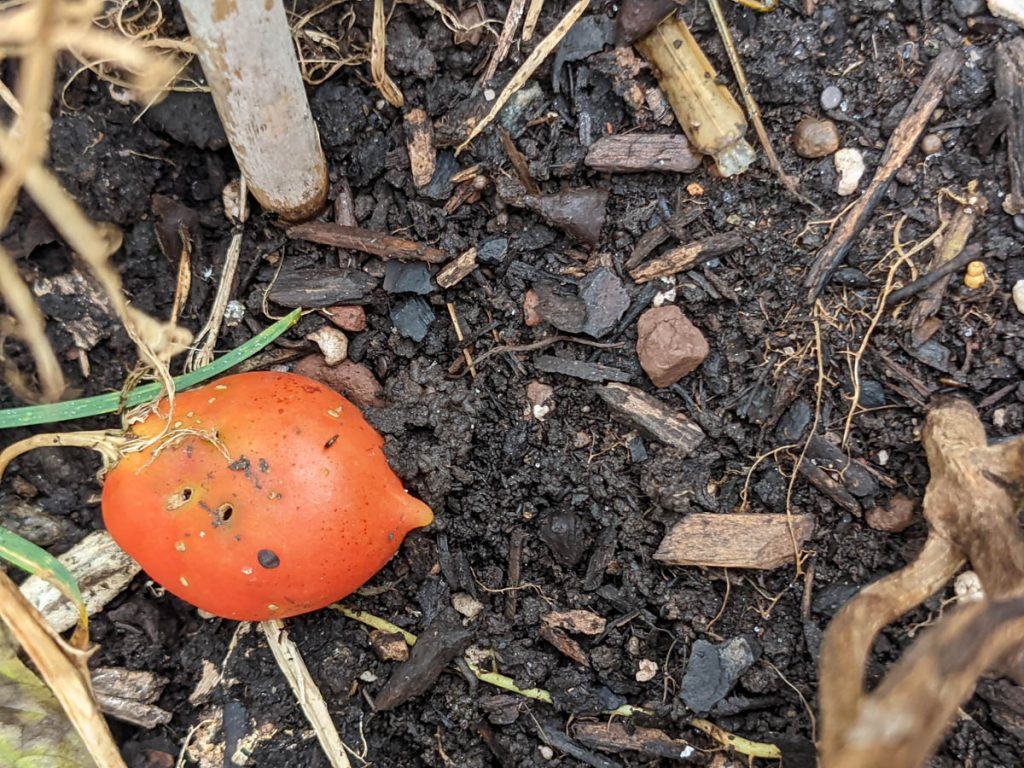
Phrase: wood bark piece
(102, 569)
(836, 475)
(688, 256)
(762, 542)
(437, 647)
(649, 742)
(317, 287)
(1010, 88)
(659, 234)
(902, 142)
(579, 369)
(458, 268)
(971, 505)
(366, 241)
(249, 60)
(651, 417)
(638, 152)
(419, 141)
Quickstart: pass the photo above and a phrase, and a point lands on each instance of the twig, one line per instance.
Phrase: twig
(526, 69)
(508, 29)
(532, 16)
(366, 241)
(455, 367)
(902, 142)
(378, 61)
(289, 660)
(203, 355)
(929, 279)
(458, 334)
(753, 110)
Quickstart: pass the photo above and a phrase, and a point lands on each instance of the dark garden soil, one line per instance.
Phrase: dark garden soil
(588, 499)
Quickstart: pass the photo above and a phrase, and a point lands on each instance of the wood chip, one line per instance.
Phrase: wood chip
(638, 152)
(458, 268)
(419, 140)
(317, 287)
(366, 241)
(102, 570)
(1010, 88)
(444, 640)
(763, 542)
(579, 369)
(565, 644)
(581, 621)
(649, 742)
(689, 256)
(655, 420)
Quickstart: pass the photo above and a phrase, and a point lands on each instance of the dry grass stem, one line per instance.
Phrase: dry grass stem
(289, 660)
(378, 41)
(64, 669)
(527, 68)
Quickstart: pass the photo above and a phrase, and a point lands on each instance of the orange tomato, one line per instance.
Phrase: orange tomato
(269, 496)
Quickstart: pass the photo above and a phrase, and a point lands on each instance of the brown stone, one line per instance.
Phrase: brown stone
(931, 144)
(353, 380)
(897, 516)
(530, 313)
(669, 345)
(815, 138)
(389, 646)
(348, 317)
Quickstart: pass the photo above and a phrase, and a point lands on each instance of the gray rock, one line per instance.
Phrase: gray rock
(412, 318)
(714, 669)
(492, 252)
(407, 277)
(605, 299)
(831, 98)
(30, 522)
(965, 8)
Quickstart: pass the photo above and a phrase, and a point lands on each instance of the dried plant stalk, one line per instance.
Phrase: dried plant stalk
(707, 112)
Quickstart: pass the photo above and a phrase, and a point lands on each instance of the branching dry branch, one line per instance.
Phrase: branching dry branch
(971, 505)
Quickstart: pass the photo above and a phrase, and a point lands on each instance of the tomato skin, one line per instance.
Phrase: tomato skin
(302, 511)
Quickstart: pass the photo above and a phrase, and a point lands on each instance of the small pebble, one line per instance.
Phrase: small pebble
(492, 252)
(349, 317)
(931, 144)
(531, 316)
(815, 138)
(896, 517)
(1018, 296)
(647, 670)
(965, 8)
(546, 752)
(333, 344)
(1008, 9)
(831, 98)
(1018, 222)
(467, 605)
(412, 318)
(967, 587)
(542, 399)
(850, 167)
(669, 345)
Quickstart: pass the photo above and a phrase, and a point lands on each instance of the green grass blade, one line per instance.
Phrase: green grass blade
(50, 413)
(34, 560)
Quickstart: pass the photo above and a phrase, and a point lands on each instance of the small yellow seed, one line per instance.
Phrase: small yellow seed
(975, 276)
(221, 387)
(272, 608)
(180, 546)
(212, 400)
(184, 581)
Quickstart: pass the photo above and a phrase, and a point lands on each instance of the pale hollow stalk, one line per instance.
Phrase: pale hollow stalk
(248, 57)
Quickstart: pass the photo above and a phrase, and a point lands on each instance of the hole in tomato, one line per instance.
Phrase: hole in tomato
(225, 512)
(179, 499)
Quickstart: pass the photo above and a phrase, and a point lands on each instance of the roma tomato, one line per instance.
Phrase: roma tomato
(269, 497)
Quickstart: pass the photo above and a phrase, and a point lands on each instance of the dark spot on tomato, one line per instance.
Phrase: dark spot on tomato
(241, 464)
(267, 558)
(188, 450)
(331, 442)
(264, 466)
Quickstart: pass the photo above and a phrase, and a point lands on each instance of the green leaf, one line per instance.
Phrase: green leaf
(34, 560)
(34, 731)
(109, 403)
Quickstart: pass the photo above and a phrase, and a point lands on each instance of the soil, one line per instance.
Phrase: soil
(589, 499)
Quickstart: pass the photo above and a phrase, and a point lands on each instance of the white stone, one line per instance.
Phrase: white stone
(1008, 9)
(968, 587)
(332, 342)
(467, 605)
(850, 167)
(1018, 296)
(647, 670)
